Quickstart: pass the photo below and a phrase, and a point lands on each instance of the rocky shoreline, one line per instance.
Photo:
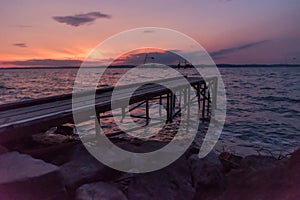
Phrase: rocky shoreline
(57, 166)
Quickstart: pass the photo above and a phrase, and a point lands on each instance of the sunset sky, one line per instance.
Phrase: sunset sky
(232, 31)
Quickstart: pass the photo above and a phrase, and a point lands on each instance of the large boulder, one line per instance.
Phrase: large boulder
(294, 162)
(66, 129)
(56, 154)
(23, 177)
(99, 190)
(48, 139)
(84, 168)
(172, 182)
(208, 176)
(265, 178)
(140, 146)
(3, 150)
(230, 161)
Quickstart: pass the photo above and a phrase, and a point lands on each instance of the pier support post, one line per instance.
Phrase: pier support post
(198, 96)
(184, 96)
(97, 124)
(188, 102)
(123, 114)
(203, 100)
(147, 112)
(160, 104)
(208, 103)
(171, 107)
(214, 96)
(180, 96)
(174, 102)
(168, 108)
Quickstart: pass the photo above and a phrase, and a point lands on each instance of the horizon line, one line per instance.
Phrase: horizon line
(222, 65)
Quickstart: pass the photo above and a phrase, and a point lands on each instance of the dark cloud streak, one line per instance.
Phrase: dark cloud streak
(148, 31)
(80, 19)
(219, 53)
(22, 45)
(22, 26)
(167, 58)
(45, 62)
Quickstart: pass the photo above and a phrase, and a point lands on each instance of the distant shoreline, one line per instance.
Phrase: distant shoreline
(130, 66)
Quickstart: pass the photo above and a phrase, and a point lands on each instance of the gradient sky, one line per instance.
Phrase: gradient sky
(235, 31)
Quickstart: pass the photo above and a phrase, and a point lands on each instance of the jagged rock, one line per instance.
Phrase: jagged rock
(23, 177)
(66, 129)
(19, 144)
(191, 150)
(295, 159)
(83, 168)
(206, 171)
(265, 178)
(3, 150)
(124, 181)
(139, 146)
(256, 162)
(265, 184)
(51, 139)
(208, 176)
(51, 130)
(99, 190)
(172, 182)
(56, 154)
(293, 167)
(230, 161)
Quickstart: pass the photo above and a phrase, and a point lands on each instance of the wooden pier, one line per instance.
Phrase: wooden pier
(26, 118)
